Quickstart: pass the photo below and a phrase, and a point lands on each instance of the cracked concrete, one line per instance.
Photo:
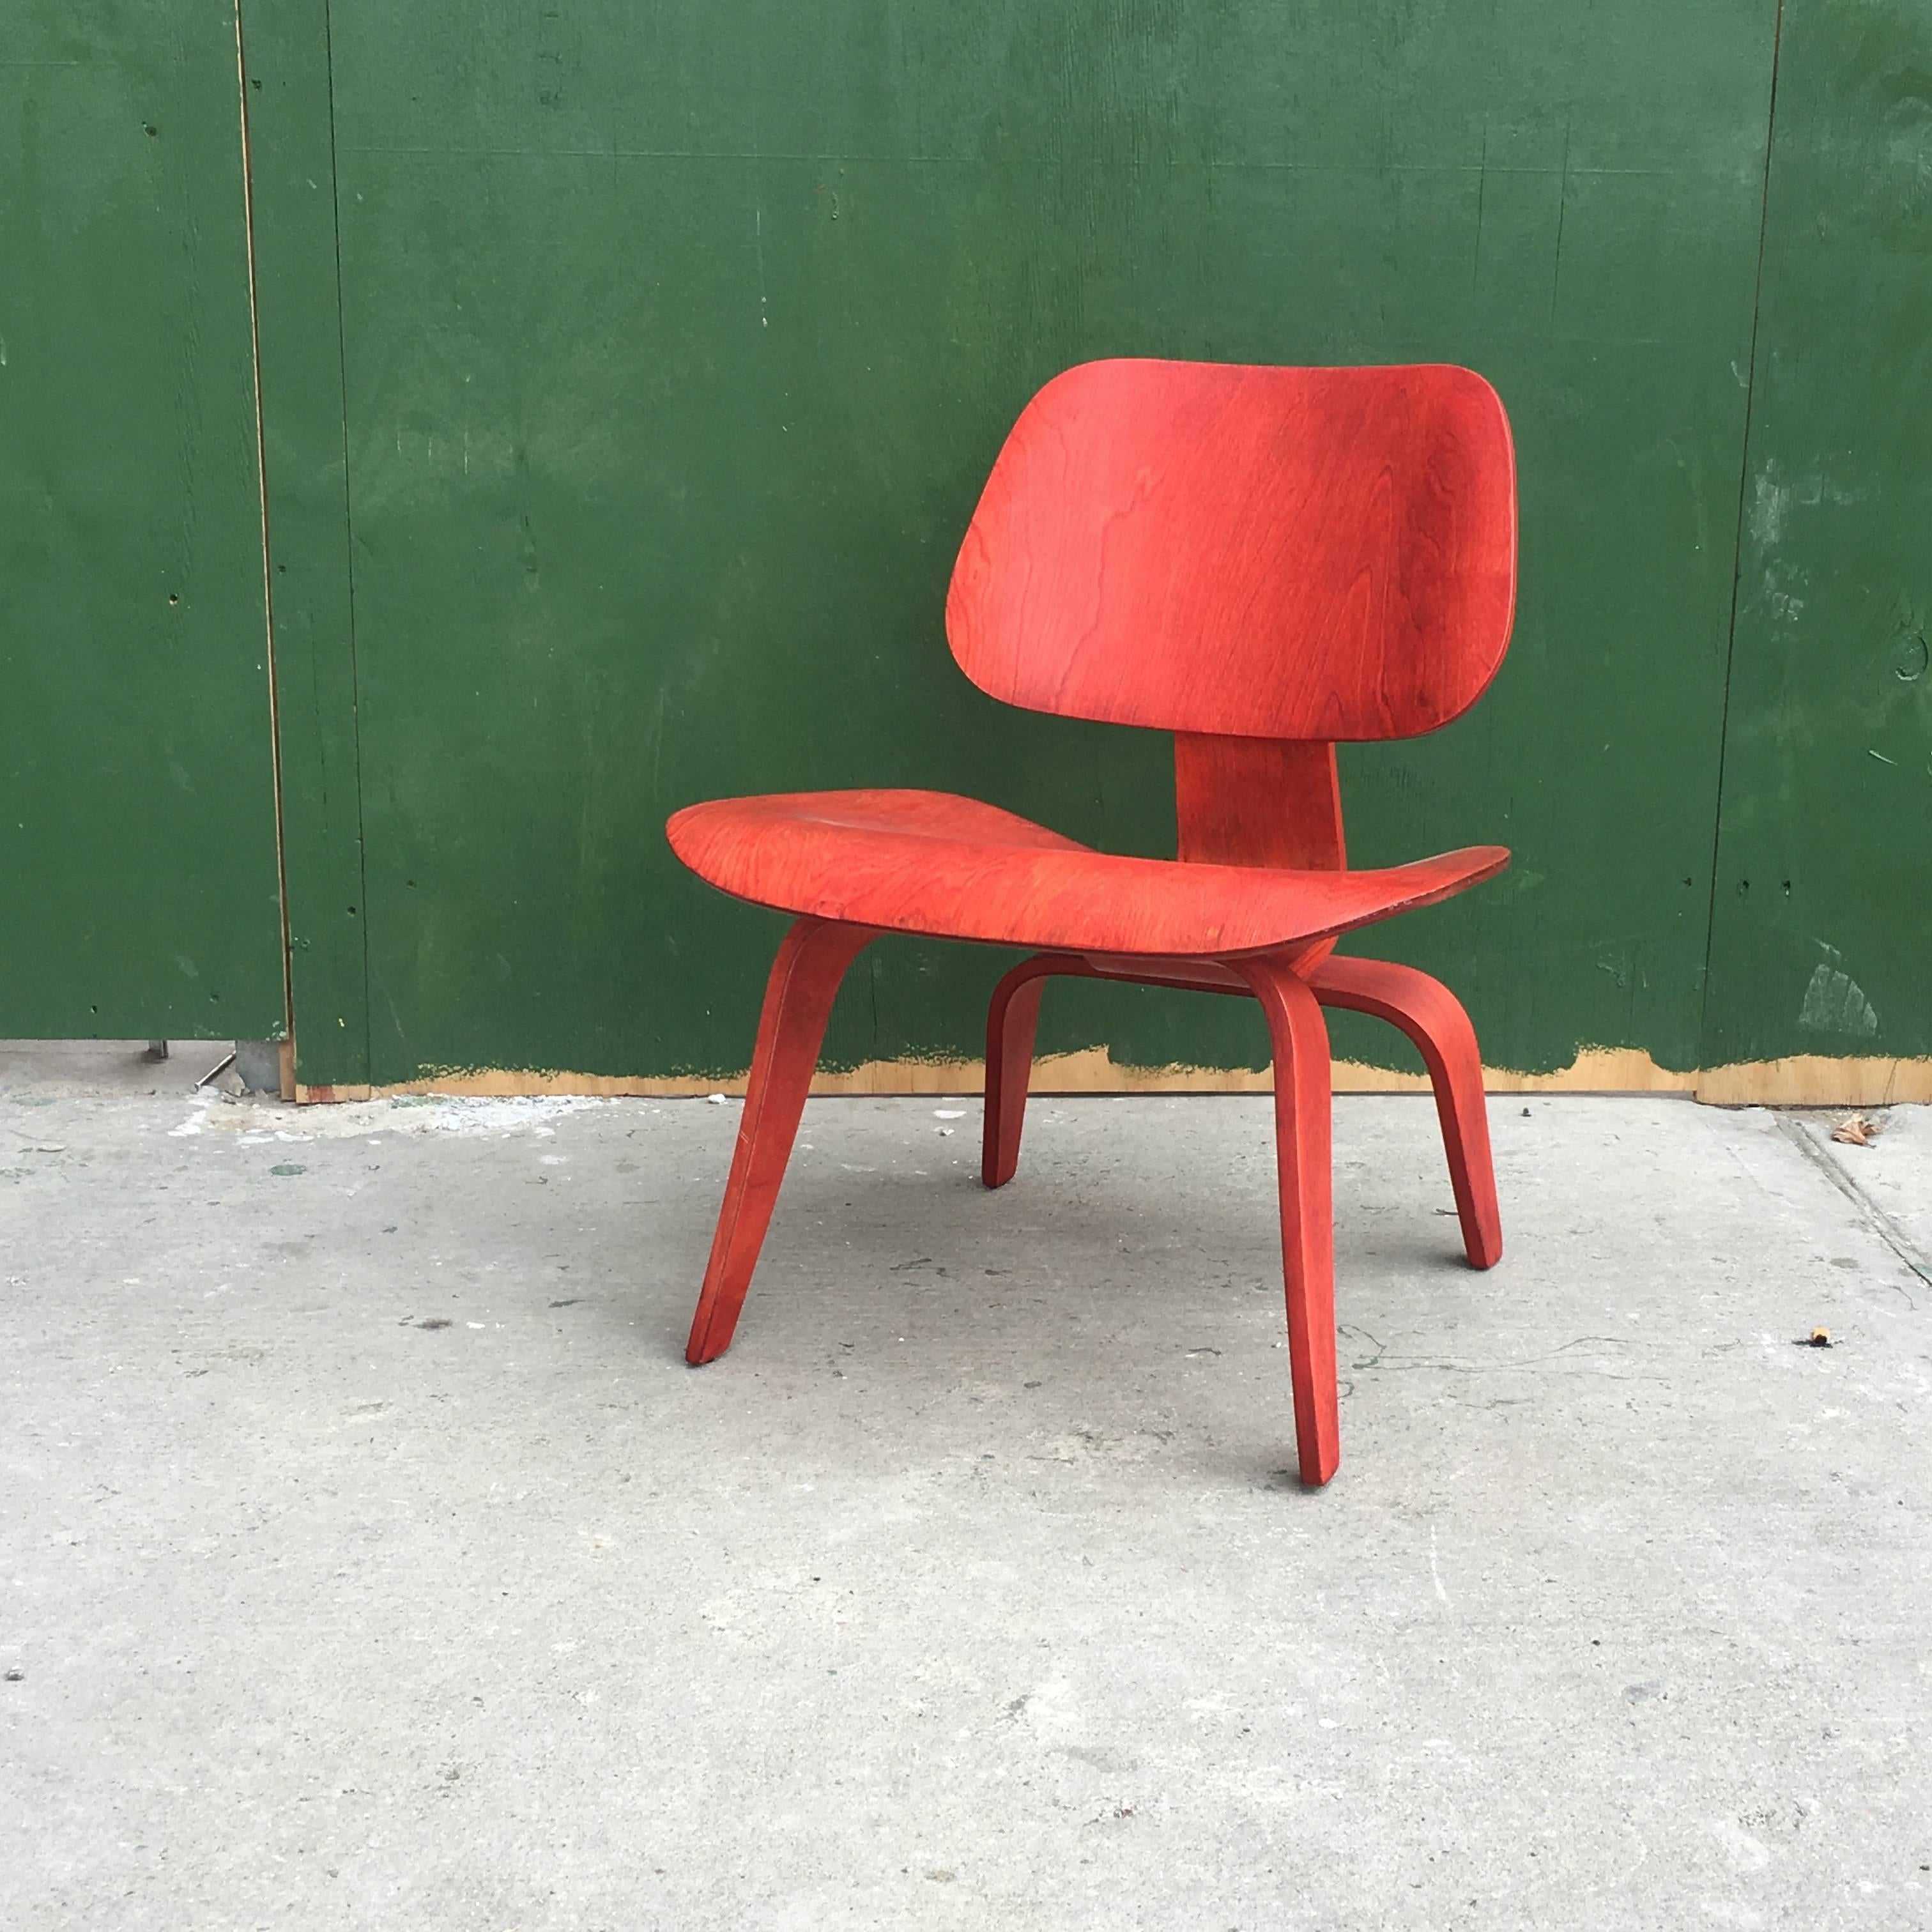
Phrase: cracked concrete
(370, 1557)
(1887, 1191)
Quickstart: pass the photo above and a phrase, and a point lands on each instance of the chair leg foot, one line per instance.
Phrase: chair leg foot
(805, 979)
(1302, 1152)
(1432, 1017)
(1013, 1020)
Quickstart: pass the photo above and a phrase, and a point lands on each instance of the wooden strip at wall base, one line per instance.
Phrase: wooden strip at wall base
(1807, 1080)
(1803, 1080)
(1816, 1080)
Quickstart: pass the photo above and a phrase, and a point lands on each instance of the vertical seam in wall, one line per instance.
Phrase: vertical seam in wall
(262, 485)
(1737, 544)
(349, 557)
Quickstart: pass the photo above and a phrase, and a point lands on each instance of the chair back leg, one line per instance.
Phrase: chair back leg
(1013, 1020)
(805, 979)
(1421, 1007)
(1432, 1017)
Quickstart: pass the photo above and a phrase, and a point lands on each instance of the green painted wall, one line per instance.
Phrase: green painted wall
(1822, 939)
(629, 375)
(676, 340)
(137, 831)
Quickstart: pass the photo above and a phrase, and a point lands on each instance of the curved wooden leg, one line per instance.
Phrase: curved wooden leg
(1432, 1016)
(1013, 1018)
(1302, 1080)
(804, 981)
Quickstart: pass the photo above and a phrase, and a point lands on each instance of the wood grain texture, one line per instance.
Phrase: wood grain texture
(1270, 802)
(1803, 1081)
(1420, 1007)
(928, 863)
(1304, 1162)
(799, 994)
(1257, 801)
(1817, 1080)
(1403, 621)
(1012, 1021)
(1295, 553)
(1432, 1017)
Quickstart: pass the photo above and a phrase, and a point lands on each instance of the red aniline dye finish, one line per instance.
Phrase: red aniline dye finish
(1306, 554)
(1262, 561)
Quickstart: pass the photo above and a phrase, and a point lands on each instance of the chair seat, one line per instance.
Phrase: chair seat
(953, 868)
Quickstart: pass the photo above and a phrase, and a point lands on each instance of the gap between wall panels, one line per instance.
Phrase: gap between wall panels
(285, 1055)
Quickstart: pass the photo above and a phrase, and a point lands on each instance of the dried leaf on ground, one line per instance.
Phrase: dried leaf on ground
(1857, 1130)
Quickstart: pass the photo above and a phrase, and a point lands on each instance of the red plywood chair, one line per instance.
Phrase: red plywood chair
(1262, 561)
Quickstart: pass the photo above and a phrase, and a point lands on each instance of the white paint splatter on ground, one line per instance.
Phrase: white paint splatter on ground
(255, 1122)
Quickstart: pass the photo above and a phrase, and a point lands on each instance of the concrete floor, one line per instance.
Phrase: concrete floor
(371, 1558)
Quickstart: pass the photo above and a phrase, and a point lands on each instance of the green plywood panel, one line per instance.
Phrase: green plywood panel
(1823, 936)
(678, 340)
(137, 834)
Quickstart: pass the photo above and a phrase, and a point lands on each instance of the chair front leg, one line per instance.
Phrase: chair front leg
(1432, 1017)
(805, 979)
(1303, 1157)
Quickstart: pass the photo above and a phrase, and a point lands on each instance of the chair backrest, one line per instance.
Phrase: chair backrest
(1200, 547)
